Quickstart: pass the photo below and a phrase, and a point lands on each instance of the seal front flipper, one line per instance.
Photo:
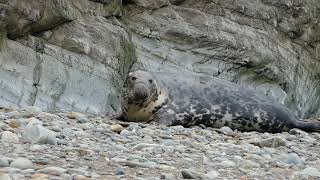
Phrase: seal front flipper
(119, 116)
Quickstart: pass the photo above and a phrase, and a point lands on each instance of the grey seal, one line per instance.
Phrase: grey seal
(194, 99)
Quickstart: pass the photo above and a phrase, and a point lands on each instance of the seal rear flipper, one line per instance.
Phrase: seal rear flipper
(308, 126)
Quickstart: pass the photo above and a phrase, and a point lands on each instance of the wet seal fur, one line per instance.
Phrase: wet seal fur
(193, 100)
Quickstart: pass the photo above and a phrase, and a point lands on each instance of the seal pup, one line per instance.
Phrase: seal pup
(189, 100)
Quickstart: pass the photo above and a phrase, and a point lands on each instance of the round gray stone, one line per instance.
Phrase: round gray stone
(32, 109)
(291, 158)
(226, 130)
(4, 162)
(310, 171)
(39, 134)
(211, 175)
(22, 163)
(168, 176)
(5, 177)
(9, 137)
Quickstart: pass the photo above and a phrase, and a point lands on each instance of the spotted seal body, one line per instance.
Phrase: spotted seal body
(192, 100)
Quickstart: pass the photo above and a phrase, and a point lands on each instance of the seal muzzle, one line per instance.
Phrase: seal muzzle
(141, 91)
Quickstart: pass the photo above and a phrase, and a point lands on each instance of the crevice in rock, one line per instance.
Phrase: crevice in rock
(37, 45)
(3, 34)
(125, 2)
(36, 78)
(101, 1)
(37, 33)
(177, 2)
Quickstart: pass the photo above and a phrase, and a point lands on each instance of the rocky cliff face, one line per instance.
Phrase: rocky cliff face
(73, 54)
(63, 55)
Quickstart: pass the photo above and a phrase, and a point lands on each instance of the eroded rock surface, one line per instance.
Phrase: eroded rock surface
(63, 55)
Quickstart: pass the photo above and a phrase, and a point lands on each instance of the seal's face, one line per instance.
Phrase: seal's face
(141, 95)
(139, 87)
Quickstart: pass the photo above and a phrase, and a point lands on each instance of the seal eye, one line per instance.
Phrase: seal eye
(150, 81)
(133, 78)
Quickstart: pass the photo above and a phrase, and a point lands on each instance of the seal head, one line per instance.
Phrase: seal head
(139, 87)
(141, 94)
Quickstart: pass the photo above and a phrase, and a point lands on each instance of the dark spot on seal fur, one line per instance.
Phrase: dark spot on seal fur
(255, 120)
(158, 107)
(243, 123)
(207, 90)
(264, 126)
